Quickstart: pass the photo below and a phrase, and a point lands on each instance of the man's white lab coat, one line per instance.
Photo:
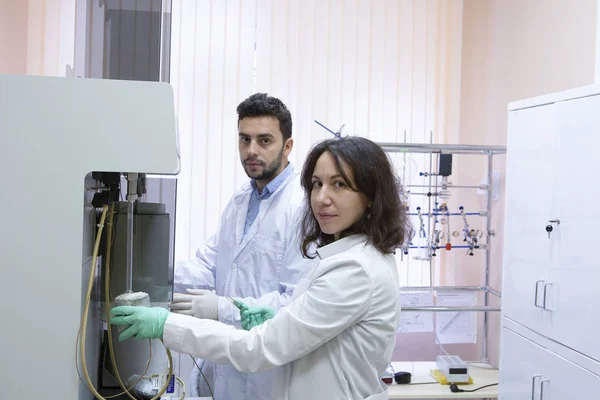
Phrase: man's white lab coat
(260, 268)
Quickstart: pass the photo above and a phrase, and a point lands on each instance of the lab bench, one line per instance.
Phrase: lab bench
(422, 386)
(420, 374)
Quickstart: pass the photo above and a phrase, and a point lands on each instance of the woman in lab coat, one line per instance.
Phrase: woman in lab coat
(337, 335)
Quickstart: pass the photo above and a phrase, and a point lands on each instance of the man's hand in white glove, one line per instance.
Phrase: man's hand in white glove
(197, 303)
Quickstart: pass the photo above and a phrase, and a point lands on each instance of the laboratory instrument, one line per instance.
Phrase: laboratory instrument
(453, 368)
(89, 211)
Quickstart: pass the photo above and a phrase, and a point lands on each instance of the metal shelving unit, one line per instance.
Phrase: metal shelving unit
(489, 152)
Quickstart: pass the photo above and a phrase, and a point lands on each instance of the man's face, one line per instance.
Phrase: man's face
(263, 152)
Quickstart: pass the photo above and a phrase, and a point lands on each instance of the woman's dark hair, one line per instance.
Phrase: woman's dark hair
(385, 222)
(261, 104)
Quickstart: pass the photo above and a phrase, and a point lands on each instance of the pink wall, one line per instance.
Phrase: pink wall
(515, 49)
(38, 37)
(13, 36)
(510, 50)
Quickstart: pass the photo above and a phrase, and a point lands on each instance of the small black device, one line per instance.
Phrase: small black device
(402, 377)
(445, 165)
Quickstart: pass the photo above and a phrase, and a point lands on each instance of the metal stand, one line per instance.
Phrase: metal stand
(489, 152)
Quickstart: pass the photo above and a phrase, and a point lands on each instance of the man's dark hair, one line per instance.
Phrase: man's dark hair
(261, 104)
(385, 222)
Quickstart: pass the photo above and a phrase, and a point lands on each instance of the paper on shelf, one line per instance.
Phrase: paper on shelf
(456, 327)
(416, 321)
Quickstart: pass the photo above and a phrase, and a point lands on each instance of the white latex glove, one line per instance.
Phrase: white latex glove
(199, 303)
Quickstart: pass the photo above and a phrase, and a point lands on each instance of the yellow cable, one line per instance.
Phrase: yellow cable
(182, 387)
(84, 318)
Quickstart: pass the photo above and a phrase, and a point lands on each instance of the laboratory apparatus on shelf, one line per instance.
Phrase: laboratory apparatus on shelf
(439, 227)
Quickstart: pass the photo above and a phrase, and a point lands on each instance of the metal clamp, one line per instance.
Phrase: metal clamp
(550, 228)
(545, 291)
(537, 284)
(542, 388)
(533, 385)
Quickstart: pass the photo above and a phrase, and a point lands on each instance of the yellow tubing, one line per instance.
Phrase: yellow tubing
(84, 318)
(109, 233)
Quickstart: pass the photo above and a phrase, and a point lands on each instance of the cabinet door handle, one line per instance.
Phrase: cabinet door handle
(542, 388)
(533, 386)
(545, 292)
(537, 285)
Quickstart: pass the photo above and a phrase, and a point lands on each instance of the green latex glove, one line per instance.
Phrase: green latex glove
(255, 316)
(144, 322)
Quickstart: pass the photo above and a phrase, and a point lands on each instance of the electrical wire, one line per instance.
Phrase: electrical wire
(182, 386)
(442, 349)
(205, 380)
(455, 389)
(83, 325)
(81, 335)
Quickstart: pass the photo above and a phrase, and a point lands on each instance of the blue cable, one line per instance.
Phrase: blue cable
(329, 130)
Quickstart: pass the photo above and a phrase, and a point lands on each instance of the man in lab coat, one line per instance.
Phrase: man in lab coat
(255, 255)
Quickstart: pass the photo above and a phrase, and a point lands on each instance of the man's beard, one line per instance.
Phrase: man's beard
(270, 171)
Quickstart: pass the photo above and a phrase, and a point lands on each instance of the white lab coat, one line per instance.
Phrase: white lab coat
(334, 339)
(259, 268)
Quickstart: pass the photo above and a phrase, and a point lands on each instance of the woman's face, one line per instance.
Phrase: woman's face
(335, 205)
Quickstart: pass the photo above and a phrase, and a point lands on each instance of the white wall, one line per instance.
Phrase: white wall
(37, 37)
(514, 49)
(382, 68)
(51, 37)
(597, 69)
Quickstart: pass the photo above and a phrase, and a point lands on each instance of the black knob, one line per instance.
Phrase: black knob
(549, 228)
